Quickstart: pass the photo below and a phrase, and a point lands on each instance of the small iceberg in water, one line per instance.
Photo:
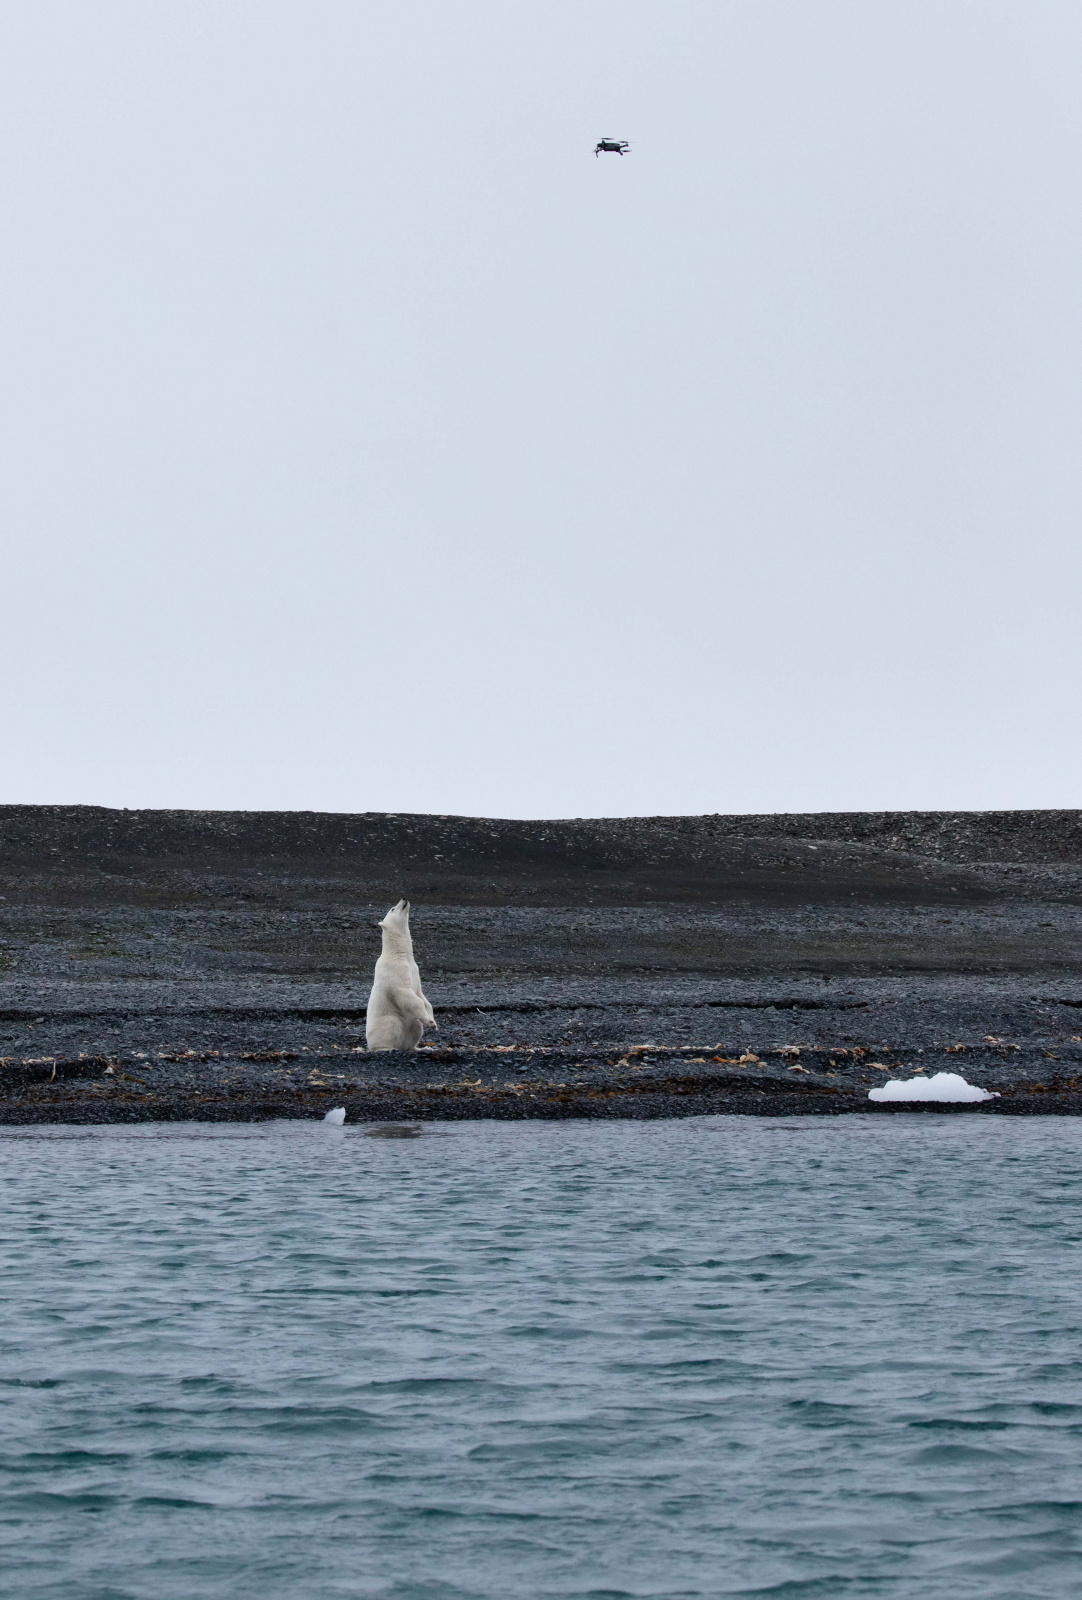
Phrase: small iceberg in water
(946, 1087)
(336, 1117)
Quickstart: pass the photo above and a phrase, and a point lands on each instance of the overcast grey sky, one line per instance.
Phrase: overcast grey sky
(367, 444)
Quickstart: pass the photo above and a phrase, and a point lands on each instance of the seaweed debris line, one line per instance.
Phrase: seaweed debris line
(161, 965)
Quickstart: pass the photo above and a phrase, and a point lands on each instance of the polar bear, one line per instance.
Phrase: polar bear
(398, 1012)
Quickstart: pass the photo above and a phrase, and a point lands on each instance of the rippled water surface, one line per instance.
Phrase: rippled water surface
(712, 1357)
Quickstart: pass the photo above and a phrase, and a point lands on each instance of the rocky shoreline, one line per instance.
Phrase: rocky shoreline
(513, 1084)
(162, 966)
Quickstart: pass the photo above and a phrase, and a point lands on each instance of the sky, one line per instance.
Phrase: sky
(368, 444)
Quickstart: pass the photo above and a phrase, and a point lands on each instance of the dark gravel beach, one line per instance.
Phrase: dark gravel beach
(160, 965)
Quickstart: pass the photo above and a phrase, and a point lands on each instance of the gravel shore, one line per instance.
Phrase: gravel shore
(179, 965)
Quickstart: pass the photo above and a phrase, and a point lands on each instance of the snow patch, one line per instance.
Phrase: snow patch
(944, 1086)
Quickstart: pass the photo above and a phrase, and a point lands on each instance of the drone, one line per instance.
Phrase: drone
(616, 146)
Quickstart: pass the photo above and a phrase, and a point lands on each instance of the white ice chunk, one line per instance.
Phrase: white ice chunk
(945, 1086)
(336, 1117)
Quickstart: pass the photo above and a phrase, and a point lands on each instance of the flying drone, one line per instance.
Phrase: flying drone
(616, 146)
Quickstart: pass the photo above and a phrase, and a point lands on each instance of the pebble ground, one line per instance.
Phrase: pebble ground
(163, 966)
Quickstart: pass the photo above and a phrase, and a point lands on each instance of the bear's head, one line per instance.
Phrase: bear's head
(397, 919)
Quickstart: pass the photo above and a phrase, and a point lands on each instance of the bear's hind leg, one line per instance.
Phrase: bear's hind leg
(386, 1033)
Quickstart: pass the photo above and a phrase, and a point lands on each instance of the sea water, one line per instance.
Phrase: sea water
(722, 1356)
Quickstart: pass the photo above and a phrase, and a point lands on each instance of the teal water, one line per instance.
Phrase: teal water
(724, 1356)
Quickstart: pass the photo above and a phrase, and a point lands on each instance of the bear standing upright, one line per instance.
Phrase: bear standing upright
(398, 1012)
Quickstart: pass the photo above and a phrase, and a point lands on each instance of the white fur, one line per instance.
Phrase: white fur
(398, 1012)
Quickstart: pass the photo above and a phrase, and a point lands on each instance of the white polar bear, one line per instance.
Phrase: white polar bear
(398, 1012)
